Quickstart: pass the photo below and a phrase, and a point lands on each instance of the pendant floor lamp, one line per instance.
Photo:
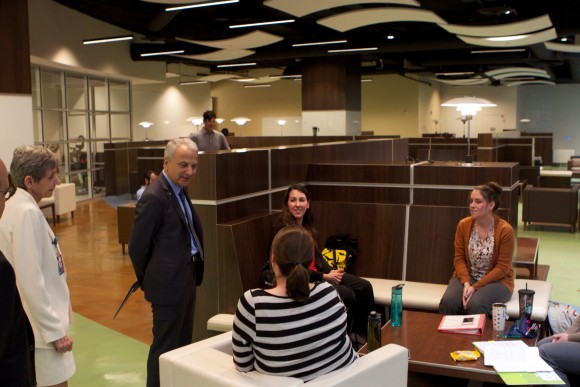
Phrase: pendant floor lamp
(468, 107)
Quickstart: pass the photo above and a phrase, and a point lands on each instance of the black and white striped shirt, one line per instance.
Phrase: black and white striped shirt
(279, 336)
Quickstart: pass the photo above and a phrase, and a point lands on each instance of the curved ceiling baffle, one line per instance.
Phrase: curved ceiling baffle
(419, 38)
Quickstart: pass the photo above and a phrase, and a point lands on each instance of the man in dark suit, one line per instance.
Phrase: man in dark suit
(166, 250)
(16, 337)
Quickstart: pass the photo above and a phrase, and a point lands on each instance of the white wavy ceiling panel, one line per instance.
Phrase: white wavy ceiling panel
(251, 40)
(219, 56)
(510, 29)
(538, 37)
(571, 48)
(301, 8)
(355, 19)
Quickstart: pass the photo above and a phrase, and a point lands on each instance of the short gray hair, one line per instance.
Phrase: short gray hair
(34, 161)
(172, 146)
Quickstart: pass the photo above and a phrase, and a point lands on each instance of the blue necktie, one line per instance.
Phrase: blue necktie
(189, 220)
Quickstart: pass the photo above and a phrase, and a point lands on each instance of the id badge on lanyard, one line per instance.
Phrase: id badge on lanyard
(59, 259)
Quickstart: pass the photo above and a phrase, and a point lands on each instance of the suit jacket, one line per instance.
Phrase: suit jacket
(160, 245)
(27, 241)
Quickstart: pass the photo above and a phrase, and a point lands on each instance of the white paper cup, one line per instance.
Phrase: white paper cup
(498, 314)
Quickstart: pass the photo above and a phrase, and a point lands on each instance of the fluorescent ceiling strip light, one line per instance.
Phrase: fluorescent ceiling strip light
(507, 38)
(285, 76)
(163, 53)
(353, 50)
(263, 23)
(182, 7)
(498, 51)
(538, 37)
(457, 73)
(108, 40)
(255, 86)
(571, 48)
(237, 65)
(191, 83)
(366, 80)
(319, 43)
(301, 8)
(538, 82)
(347, 21)
(519, 28)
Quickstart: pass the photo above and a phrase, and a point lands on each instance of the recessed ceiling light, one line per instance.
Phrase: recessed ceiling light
(108, 40)
(563, 39)
(163, 53)
(319, 43)
(182, 7)
(390, 37)
(262, 23)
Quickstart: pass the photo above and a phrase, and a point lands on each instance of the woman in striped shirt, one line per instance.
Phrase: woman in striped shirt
(296, 329)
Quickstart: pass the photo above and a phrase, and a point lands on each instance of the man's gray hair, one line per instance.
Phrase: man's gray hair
(34, 161)
(172, 146)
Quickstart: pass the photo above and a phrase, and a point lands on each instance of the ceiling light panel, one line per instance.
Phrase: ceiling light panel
(523, 27)
(108, 40)
(347, 21)
(319, 43)
(301, 8)
(538, 37)
(200, 5)
(251, 40)
(220, 56)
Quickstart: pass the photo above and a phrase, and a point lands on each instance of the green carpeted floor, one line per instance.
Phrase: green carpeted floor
(106, 358)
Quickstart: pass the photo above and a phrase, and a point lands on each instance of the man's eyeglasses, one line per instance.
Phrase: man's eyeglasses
(9, 192)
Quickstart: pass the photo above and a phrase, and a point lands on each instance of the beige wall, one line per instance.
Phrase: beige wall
(231, 99)
(390, 105)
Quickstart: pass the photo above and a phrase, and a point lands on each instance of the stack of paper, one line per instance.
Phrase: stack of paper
(517, 363)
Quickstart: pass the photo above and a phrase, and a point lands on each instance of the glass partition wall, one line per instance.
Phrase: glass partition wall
(74, 115)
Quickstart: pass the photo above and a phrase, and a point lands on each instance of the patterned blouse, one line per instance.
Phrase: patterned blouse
(480, 253)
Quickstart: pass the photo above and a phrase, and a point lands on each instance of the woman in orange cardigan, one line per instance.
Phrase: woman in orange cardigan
(484, 246)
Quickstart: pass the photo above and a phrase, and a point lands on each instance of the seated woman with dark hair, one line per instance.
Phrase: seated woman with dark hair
(356, 293)
(297, 328)
(484, 246)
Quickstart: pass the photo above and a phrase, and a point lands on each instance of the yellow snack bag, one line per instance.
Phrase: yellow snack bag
(465, 355)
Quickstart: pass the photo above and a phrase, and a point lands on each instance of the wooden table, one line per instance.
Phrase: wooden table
(429, 350)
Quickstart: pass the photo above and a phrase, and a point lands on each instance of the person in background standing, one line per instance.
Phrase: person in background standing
(208, 139)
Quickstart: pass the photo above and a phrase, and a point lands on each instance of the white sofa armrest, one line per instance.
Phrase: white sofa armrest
(65, 198)
(389, 363)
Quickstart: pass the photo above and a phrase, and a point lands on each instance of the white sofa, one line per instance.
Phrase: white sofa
(209, 363)
(426, 296)
(65, 201)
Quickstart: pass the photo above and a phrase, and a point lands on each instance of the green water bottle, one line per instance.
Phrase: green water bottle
(374, 331)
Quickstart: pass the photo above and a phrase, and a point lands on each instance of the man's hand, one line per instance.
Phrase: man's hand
(63, 345)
